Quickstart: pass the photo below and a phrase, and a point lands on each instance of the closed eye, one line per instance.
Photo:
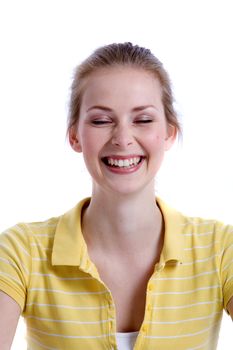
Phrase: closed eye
(100, 122)
(144, 121)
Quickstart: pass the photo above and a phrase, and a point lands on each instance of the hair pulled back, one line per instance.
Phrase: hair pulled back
(122, 54)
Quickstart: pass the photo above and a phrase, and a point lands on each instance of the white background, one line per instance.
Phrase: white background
(42, 41)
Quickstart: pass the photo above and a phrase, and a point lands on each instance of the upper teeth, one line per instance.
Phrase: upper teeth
(124, 162)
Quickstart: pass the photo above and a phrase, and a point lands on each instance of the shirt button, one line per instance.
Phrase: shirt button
(149, 307)
(150, 287)
(144, 328)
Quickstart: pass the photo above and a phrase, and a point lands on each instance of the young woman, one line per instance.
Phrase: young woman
(121, 270)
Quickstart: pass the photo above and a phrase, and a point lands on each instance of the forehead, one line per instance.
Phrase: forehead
(121, 84)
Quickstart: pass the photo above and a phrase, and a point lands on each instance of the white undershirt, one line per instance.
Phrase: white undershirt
(126, 341)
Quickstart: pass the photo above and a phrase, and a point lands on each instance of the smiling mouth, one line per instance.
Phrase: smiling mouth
(122, 163)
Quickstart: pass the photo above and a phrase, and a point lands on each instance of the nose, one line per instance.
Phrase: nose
(122, 136)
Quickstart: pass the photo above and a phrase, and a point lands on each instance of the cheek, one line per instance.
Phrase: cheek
(154, 140)
(91, 142)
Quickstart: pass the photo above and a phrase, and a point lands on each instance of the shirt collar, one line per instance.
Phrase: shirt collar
(69, 246)
(173, 247)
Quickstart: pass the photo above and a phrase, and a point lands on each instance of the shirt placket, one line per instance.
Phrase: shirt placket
(141, 340)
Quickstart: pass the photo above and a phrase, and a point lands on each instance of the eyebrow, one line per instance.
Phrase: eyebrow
(135, 109)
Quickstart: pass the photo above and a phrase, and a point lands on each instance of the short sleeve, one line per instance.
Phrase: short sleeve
(15, 263)
(226, 269)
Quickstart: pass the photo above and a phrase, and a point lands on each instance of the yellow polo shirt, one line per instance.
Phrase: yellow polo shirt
(45, 267)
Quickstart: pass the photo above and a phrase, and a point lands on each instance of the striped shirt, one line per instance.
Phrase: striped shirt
(46, 269)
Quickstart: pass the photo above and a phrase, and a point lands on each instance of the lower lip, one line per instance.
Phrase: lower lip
(125, 171)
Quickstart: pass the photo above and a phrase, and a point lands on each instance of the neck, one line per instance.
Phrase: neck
(122, 223)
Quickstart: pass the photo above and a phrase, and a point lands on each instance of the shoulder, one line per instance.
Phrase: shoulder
(193, 224)
(209, 237)
(203, 227)
(43, 232)
(23, 235)
(197, 231)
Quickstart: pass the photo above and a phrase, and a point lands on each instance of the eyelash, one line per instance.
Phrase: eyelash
(144, 121)
(102, 122)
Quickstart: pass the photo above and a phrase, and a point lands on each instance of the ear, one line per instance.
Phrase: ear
(171, 136)
(74, 139)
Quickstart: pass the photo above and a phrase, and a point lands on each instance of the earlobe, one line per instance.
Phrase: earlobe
(73, 139)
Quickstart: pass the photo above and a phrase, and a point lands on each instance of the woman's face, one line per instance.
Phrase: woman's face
(122, 130)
